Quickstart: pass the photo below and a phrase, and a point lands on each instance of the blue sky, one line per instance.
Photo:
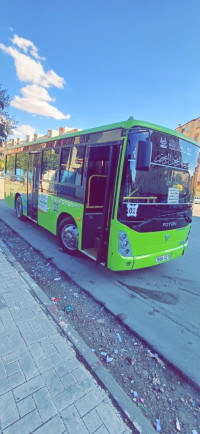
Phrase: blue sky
(82, 64)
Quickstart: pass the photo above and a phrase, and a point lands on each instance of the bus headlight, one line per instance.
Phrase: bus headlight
(124, 244)
(122, 235)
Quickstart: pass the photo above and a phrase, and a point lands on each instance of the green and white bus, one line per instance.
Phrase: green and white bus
(121, 194)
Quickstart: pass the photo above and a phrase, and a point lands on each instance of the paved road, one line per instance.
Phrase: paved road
(161, 304)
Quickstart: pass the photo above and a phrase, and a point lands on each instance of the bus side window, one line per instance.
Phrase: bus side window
(21, 164)
(50, 164)
(10, 164)
(64, 165)
(76, 165)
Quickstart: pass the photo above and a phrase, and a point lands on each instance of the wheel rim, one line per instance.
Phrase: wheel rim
(19, 207)
(69, 236)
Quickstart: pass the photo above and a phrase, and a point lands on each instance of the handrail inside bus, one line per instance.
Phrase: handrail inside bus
(134, 191)
(148, 198)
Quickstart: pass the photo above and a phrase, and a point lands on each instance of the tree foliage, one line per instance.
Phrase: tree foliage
(1, 164)
(7, 124)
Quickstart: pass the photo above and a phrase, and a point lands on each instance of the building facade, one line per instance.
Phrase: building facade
(192, 129)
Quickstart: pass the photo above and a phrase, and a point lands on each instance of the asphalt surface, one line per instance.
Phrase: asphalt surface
(160, 304)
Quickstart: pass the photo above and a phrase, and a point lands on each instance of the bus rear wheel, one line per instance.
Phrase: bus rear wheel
(68, 235)
(19, 208)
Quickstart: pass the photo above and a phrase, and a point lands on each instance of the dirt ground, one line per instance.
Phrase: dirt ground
(159, 391)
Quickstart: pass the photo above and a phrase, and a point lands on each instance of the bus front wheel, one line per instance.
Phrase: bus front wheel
(68, 235)
(19, 208)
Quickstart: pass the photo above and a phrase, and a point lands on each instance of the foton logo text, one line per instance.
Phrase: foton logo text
(169, 224)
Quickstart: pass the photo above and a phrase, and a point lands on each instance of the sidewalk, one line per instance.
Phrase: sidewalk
(44, 388)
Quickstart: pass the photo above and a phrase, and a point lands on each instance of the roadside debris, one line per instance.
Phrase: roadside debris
(130, 360)
(178, 427)
(109, 359)
(119, 337)
(155, 356)
(101, 320)
(143, 408)
(54, 299)
(69, 308)
(158, 425)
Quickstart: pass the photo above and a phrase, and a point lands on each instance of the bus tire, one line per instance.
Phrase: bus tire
(19, 208)
(68, 235)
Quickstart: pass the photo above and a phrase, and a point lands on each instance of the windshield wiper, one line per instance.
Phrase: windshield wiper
(180, 213)
(144, 222)
(139, 224)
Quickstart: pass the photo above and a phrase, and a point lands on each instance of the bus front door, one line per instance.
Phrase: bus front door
(102, 168)
(33, 184)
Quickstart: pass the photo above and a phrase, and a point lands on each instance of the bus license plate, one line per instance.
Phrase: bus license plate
(163, 258)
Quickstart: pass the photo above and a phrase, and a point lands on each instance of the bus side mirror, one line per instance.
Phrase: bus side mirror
(143, 159)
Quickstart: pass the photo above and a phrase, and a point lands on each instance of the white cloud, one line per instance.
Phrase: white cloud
(30, 70)
(35, 97)
(35, 100)
(25, 44)
(33, 91)
(22, 130)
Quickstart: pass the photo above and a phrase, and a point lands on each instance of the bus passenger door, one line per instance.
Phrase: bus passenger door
(102, 168)
(33, 184)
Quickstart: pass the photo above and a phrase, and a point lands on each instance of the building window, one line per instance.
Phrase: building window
(50, 164)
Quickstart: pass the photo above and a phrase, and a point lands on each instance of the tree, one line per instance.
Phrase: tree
(1, 164)
(7, 124)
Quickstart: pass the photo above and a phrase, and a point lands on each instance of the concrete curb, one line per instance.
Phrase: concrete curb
(124, 403)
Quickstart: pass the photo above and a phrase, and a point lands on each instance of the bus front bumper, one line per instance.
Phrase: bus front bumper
(119, 263)
(159, 257)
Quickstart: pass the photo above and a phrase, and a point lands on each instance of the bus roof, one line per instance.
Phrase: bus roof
(119, 125)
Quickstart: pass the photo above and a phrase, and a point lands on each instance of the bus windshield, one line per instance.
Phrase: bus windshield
(169, 179)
